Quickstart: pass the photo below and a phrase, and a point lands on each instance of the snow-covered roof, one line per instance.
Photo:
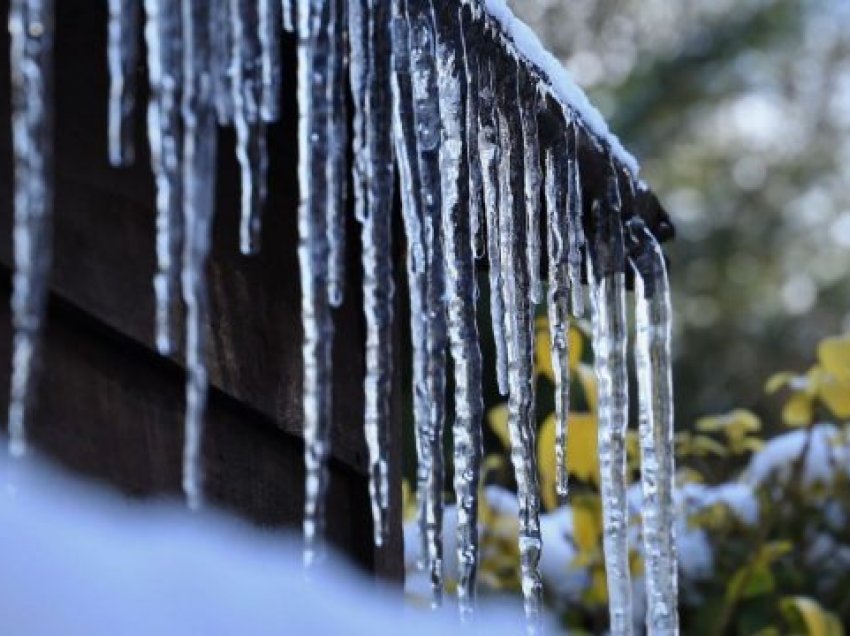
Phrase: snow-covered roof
(558, 81)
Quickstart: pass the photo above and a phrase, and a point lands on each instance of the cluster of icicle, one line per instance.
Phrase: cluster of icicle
(484, 131)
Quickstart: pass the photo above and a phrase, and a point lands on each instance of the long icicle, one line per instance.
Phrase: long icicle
(427, 126)
(655, 390)
(165, 130)
(288, 18)
(248, 91)
(338, 148)
(122, 59)
(313, 44)
(575, 232)
(558, 300)
(489, 149)
(608, 305)
(222, 59)
(31, 56)
(519, 330)
(269, 26)
(404, 134)
(199, 166)
(459, 235)
(529, 99)
(370, 69)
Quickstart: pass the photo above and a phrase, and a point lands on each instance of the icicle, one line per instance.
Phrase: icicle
(608, 292)
(373, 178)
(288, 15)
(476, 187)
(165, 77)
(576, 240)
(122, 57)
(31, 31)
(222, 54)
(558, 296)
(530, 142)
(247, 86)
(519, 331)
(490, 153)
(270, 64)
(462, 292)
(427, 126)
(404, 134)
(652, 357)
(199, 165)
(313, 44)
(337, 151)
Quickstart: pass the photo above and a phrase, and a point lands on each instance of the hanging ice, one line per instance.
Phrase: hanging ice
(652, 360)
(269, 23)
(199, 162)
(338, 146)
(31, 31)
(575, 231)
(122, 57)
(250, 57)
(427, 126)
(557, 160)
(313, 47)
(519, 333)
(165, 78)
(490, 153)
(373, 199)
(459, 235)
(404, 139)
(222, 53)
(288, 15)
(607, 280)
(529, 97)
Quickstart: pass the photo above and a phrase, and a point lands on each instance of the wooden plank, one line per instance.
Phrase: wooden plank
(111, 409)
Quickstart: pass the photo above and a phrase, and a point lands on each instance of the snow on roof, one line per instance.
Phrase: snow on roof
(561, 84)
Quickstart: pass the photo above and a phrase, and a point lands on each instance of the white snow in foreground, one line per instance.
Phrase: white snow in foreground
(76, 558)
(563, 86)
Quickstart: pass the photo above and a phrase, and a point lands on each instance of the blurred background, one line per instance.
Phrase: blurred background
(739, 113)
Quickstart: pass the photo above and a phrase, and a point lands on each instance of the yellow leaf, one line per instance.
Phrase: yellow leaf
(546, 463)
(835, 393)
(497, 417)
(808, 614)
(598, 592)
(587, 525)
(543, 351)
(834, 355)
(582, 447)
(798, 410)
(777, 381)
(587, 379)
(734, 424)
(408, 499)
(703, 445)
(576, 347)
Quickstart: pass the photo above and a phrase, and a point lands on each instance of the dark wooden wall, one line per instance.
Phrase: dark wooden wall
(108, 405)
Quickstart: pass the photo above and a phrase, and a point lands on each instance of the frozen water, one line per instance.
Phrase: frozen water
(122, 58)
(31, 31)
